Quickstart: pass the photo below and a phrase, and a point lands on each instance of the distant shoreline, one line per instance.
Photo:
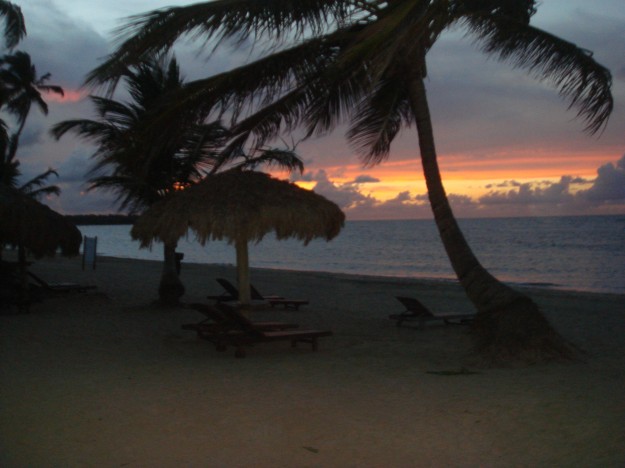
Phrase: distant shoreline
(100, 220)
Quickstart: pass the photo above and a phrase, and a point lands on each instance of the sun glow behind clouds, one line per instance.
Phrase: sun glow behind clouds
(69, 96)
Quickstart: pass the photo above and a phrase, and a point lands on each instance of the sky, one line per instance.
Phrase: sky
(507, 144)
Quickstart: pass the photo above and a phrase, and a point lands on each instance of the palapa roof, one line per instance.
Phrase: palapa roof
(240, 204)
(37, 227)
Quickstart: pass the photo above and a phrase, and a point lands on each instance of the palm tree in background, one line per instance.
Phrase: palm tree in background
(20, 88)
(364, 62)
(142, 158)
(14, 24)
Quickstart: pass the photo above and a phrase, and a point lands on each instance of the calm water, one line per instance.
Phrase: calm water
(582, 253)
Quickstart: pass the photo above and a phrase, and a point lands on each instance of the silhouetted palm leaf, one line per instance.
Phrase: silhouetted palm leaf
(14, 24)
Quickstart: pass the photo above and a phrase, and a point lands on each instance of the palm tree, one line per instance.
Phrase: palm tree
(142, 157)
(364, 61)
(14, 24)
(20, 87)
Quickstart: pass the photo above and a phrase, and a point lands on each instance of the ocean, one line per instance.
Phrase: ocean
(585, 253)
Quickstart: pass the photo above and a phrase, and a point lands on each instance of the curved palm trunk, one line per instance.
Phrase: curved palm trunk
(170, 289)
(509, 325)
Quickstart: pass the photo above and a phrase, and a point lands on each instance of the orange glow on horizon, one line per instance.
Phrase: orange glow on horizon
(69, 96)
(464, 174)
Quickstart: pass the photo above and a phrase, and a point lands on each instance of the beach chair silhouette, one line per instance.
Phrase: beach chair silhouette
(234, 329)
(217, 320)
(59, 287)
(417, 312)
(232, 293)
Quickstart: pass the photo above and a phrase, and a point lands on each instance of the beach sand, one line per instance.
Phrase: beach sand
(106, 378)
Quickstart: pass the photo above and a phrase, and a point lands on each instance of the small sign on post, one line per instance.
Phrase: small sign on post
(89, 251)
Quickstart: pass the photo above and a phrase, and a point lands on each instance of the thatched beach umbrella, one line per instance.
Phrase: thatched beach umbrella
(32, 226)
(26, 222)
(240, 206)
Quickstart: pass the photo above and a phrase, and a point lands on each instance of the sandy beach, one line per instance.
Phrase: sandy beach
(106, 378)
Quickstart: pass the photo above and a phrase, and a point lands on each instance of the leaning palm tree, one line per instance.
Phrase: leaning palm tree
(364, 62)
(142, 157)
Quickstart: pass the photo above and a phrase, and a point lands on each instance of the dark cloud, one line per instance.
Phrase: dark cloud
(75, 167)
(345, 196)
(364, 179)
(60, 45)
(609, 186)
(504, 184)
(532, 193)
(32, 135)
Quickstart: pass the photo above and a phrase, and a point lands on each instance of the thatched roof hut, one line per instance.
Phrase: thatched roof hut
(42, 231)
(240, 206)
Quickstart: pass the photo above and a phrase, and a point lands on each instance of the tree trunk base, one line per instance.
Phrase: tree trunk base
(170, 290)
(519, 334)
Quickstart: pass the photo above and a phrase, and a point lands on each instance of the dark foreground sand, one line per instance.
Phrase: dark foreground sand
(106, 379)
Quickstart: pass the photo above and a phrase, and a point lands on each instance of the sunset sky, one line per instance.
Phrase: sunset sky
(508, 145)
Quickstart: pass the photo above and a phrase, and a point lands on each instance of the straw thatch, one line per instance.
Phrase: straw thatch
(240, 205)
(24, 221)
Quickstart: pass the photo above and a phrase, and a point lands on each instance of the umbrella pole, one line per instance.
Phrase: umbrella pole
(243, 271)
(23, 296)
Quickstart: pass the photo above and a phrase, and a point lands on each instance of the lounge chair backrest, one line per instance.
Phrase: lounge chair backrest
(413, 305)
(235, 317)
(229, 287)
(209, 311)
(255, 294)
(234, 292)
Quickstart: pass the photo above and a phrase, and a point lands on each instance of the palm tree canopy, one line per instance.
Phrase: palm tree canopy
(14, 24)
(137, 159)
(142, 154)
(236, 205)
(22, 87)
(342, 60)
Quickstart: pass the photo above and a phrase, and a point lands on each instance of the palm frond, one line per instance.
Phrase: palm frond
(378, 120)
(14, 24)
(576, 75)
(157, 31)
(274, 157)
(36, 188)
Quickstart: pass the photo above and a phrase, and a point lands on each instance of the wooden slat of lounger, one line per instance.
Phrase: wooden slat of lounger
(293, 304)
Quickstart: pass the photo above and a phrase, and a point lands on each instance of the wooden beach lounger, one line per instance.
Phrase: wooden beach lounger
(59, 287)
(232, 293)
(238, 331)
(417, 312)
(217, 319)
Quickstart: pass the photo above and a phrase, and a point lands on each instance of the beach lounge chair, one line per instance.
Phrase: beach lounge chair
(417, 312)
(216, 319)
(232, 293)
(238, 331)
(59, 287)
